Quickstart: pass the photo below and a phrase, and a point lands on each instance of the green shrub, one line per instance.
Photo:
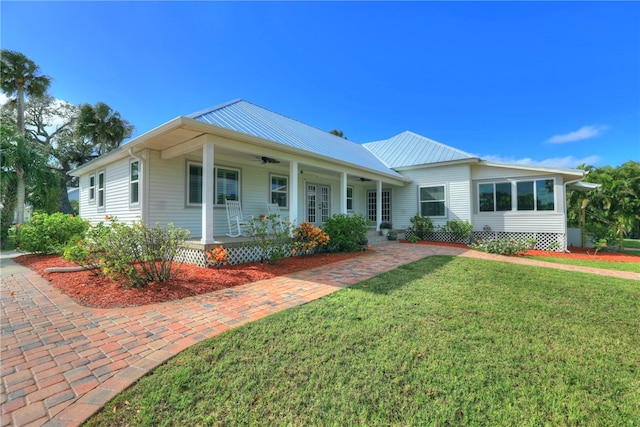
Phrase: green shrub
(421, 226)
(346, 232)
(504, 246)
(272, 236)
(460, 230)
(49, 234)
(133, 254)
(413, 239)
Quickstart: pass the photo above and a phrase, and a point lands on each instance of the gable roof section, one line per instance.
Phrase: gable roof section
(245, 117)
(410, 149)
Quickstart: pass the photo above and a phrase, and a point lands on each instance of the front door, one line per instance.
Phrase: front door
(318, 197)
(372, 197)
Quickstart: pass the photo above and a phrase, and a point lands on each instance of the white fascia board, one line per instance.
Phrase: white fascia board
(572, 172)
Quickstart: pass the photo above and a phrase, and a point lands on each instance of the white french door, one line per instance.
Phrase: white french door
(318, 198)
(372, 197)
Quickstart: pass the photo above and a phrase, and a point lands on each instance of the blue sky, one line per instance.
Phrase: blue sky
(549, 83)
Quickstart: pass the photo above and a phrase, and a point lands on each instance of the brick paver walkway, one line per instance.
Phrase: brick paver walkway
(61, 362)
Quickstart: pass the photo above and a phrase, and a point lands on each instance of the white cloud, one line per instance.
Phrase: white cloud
(556, 162)
(585, 132)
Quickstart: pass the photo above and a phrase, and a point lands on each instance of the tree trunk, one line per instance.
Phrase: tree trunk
(20, 196)
(65, 204)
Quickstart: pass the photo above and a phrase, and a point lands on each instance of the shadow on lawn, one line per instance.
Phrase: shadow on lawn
(390, 281)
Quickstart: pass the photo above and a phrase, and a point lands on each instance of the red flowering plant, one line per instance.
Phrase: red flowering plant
(309, 239)
(218, 256)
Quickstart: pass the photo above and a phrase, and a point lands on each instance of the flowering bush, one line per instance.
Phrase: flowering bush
(504, 246)
(307, 238)
(218, 257)
(133, 254)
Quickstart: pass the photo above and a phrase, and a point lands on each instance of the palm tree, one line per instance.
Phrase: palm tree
(20, 76)
(102, 126)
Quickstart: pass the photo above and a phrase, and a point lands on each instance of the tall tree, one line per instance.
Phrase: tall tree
(20, 76)
(102, 126)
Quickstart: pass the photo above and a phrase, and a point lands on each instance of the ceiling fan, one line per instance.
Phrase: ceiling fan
(265, 160)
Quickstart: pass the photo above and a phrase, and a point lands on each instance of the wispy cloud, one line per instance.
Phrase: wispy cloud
(585, 132)
(556, 162)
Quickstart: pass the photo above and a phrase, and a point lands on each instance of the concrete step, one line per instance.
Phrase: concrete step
(375, 239)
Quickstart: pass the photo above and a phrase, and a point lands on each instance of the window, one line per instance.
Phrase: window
(349, 198)
(101, 189)
(194, 184)
(227, 184)
(134, 181)
(279, 190)
(92, 188)
(536, 195)
(432, 201)
(494, 197)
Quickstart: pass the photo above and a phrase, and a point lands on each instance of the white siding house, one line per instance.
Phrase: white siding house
(183, 171)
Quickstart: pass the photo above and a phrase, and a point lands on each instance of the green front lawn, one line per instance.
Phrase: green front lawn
(620, 266)
(442, 341)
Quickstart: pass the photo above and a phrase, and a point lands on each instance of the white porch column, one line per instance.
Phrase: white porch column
(207, 192)
(293, 192)
(343, 193)
(378, 204)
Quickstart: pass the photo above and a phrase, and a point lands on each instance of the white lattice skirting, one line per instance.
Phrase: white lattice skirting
(544, 241)
(236, 255)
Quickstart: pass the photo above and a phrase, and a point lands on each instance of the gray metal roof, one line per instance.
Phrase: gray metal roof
(250, 119)
(410, 149)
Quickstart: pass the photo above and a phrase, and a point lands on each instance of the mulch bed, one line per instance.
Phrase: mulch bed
(95, 290)
(574, 252)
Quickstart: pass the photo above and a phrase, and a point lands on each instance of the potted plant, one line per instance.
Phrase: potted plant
(385, 226)
(393, 235)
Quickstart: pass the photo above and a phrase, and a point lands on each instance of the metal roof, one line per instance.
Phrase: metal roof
(245, 117)
(410, 149)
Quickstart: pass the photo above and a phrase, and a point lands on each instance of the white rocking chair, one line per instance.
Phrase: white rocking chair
(274, 209)
(237, 221)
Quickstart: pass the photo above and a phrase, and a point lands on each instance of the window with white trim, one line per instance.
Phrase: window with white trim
(101, 190)
(226, 185)
(349, 199)
(279, 190)
(92, 188)
(134, 182)
(535, 195)
(432, 201)
(494, 197)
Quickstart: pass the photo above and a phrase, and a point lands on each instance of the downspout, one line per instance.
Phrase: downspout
(142, 193)
(566, 231)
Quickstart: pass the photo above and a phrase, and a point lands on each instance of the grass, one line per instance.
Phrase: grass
(618, 266)
(442, 341)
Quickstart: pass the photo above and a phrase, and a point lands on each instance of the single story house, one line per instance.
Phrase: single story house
(184, 171)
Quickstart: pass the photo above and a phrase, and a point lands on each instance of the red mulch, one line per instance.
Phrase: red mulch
(95, 290)
(574, 252)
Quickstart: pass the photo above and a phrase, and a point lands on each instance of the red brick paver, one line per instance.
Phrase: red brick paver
(61, 362)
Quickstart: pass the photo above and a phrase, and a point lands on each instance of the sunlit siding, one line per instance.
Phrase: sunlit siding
(116, 192)
(455, 178)
(518, 221)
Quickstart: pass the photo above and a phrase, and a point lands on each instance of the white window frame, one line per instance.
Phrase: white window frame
(215, 184)
(349, 198)
(92, 188)
(443, 201)
(535, 195)
(191, 164)
(495, 196)
(134, 183)
(101, 193)
(285, 192)
(188, 201)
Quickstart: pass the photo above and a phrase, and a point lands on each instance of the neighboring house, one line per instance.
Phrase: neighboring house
(184, 170)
